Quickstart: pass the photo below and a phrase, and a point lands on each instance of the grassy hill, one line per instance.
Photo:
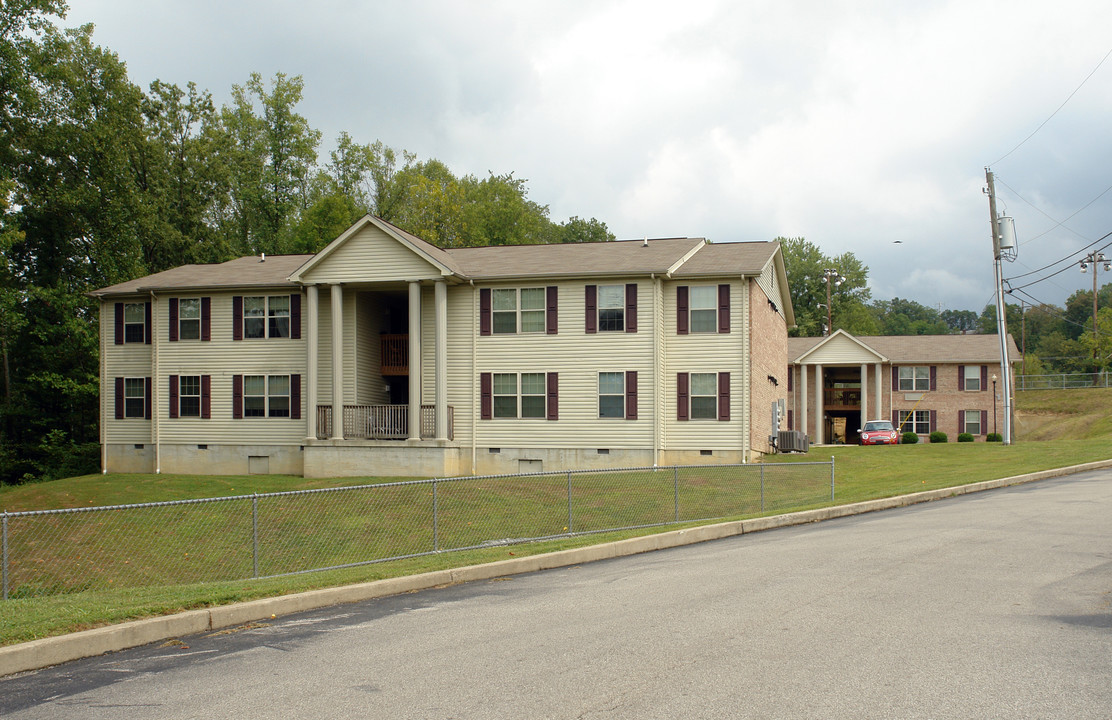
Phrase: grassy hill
(1082, 413)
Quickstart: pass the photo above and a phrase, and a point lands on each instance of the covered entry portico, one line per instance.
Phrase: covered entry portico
(839, 379)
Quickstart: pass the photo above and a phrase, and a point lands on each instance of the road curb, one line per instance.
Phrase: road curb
(38, 654)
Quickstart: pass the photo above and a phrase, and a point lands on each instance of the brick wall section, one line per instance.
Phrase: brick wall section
(768, 349)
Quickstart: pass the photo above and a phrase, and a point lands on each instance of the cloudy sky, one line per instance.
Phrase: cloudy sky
(854, 124)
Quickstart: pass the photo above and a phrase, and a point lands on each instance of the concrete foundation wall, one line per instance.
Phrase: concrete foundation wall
(372, 458)
(232, 459)
(504, 460)
(129, 458)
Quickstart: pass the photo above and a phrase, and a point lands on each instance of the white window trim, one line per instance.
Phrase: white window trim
(518, 311)
(182, 320)
(912, 375)
(267, 317)
(601, 395)
(691, 397)
(518, 396)
(621, 308)
(965, 422)
(267, 395)
(972, 374)
(909, 420)
(142, 397)
(141, 323)
(692, 309)
(182, 395)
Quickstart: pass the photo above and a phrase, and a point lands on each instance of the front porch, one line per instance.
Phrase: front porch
(380, 422)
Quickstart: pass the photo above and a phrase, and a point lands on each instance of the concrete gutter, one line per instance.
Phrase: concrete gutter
(42, 653)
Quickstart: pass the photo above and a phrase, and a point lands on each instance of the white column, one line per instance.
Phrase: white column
(414, 360)
(879, 393)
(803, 399)
(820, 425)
(441, 308)
(312, 359)
(337, 362)
(864, 394)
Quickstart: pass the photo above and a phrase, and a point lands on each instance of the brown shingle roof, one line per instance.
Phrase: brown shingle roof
(922, 348)
(244, 272)
(741, 258)
(603, 258)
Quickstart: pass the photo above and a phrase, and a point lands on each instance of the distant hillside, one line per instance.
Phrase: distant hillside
(1053, 414)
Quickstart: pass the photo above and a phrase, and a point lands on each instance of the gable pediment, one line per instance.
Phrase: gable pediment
(369, 252)
(841, 348)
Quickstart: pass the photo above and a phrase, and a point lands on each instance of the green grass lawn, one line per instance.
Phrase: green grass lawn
(219, 534)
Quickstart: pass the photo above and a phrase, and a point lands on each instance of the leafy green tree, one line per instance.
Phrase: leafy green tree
(959, 321)
(806, 265)
(497, 211)
(907, 317)
(578, 230)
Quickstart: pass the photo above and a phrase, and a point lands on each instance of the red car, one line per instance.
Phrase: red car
(879, 432)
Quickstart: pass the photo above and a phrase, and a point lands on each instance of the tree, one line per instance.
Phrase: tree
(497, 211)
(805, 265)
(907, 317)
(959, 321)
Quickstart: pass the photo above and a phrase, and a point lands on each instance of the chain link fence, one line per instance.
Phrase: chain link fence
(1063, 381)
(48, 552)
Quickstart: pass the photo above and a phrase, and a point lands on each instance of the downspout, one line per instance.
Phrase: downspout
(103, 384)
(659, 348)
(474, 396)
(747, 358)
(155, 427)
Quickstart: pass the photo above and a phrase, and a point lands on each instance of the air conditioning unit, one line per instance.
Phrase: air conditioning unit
(792, 441)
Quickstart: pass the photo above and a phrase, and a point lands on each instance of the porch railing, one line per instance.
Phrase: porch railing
(395, 354)
(842, 397)
(381, 422)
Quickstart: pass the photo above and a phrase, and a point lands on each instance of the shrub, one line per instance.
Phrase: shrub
(909, 438)
(994, 437)
(939, 437)
(965, 437)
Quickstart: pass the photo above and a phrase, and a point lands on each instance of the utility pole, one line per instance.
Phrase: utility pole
(1001, 325)
(1095, 259)
(831, 275)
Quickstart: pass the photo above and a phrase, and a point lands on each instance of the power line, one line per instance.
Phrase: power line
(1057, 223)
(1068, 258)
(1044, 122)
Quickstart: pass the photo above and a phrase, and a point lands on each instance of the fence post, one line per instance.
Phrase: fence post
(435, 517)
(569, 503)
(676, 490)
(762, 487)
(5, 562)
(831, 478)
(255, 534)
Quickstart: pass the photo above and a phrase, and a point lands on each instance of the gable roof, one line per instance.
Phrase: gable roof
(919, 349)
(245, 272)
(729, 258)
(622, 257)
(835, 337)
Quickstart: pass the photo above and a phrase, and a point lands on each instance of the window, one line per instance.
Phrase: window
(518, 310)
(135, 323)
(704, 396)
(917, 421)
(971, 379)
(189, 319)
(266, 395)
(532, 395)
(704, 309)
(135, 397)
(189, 396)
(266, 316)
(611, 308)
(519, 395)
(916, 378)
(611, 395)
(972, 421)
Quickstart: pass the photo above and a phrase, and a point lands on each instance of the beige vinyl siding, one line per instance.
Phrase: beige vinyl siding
(128, 360)
(371, 255)
(578, 358)
(771, 285)
(370, 389)
(221, 358)
(841, 350)
(324, 348)
(706, 353)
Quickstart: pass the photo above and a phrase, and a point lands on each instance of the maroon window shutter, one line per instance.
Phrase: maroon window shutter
(631, 394)
(119, 398)
(295, 317)
(934, 420)
(484, 311)
(173, 321)
(148, 386)
(119, 323)
(961, 421)
(934, 378)
(723, 396)
(896, 419)
(895, 378)
(206, 319)
(237, 317)
(553, 409)
(591, 302)
(984, 422)
(486, 396)
(961, 377)
(237, 396)
(206, 396)
(681, 310)
(551, 309)
(791, 374)
(791, 421)
(147, 326)
(631, 308)
(173, 396)
(984, 377)
(295, 397)
(723, 308)
(681, 396)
